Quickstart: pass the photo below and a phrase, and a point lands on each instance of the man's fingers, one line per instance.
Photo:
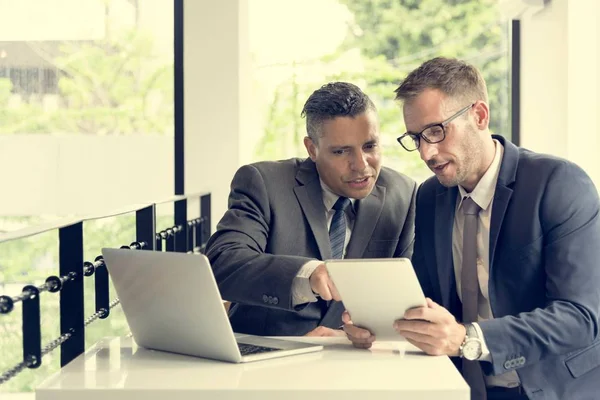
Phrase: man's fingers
(346, 318)
(323, 331)
(359, 335)
(325, 295)
(333, 290)
(421, 327)
(362, 345)
(432, 304)
(425, 347)
(419, 337)
(314, 332)
(422, 313)
(334, 332)
(319, 282)
(323, 291)
(435, 314)
(360, 338)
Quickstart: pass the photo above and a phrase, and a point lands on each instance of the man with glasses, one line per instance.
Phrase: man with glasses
(507, 249)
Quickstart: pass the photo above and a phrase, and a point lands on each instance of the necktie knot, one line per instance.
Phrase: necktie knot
(470, 207)
(342, 203)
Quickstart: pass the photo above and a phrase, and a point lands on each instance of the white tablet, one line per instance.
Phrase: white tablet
(376, 292)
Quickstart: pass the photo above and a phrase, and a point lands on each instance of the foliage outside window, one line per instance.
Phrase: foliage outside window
(387, 39)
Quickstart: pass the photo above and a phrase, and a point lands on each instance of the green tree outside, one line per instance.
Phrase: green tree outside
(394, 37)
(112, 87)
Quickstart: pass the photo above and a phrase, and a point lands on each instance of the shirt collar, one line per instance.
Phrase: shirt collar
(329, 197)
(486, 187)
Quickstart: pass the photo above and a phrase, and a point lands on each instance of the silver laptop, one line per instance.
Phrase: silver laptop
(172, 303)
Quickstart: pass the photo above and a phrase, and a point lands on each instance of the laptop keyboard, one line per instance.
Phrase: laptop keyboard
(247, 349)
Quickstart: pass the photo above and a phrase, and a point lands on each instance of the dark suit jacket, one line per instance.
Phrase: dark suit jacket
(544, 283)
(276, 222)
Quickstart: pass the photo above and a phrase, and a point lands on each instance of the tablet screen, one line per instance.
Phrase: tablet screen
(376, 292)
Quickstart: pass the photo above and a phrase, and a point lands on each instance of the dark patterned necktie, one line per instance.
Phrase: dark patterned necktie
(470, 292)
(337, 230)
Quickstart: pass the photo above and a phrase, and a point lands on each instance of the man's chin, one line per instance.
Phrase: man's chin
(447, 182)
(359, 194)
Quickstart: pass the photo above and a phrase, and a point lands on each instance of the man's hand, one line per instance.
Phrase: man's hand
(360, 338)
(324, 331)
(432, 329)
(321, 284)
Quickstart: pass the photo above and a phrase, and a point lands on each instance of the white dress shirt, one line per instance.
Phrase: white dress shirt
(483, 195)
(301, 291)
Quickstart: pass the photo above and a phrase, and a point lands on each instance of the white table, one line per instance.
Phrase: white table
(116, 369)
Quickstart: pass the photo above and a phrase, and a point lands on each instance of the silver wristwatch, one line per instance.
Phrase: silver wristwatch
(471, 347)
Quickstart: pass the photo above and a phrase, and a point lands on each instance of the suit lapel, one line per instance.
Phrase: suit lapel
(501, 199)
(310, 197)
(506, 177)
(367, 214)
(445, 206)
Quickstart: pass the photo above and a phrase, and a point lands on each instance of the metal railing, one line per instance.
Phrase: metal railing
(185, 235)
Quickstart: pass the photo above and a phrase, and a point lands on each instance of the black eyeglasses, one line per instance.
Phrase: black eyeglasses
(432, 134)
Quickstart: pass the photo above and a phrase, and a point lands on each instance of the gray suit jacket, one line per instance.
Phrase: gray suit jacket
(276, 222)
(544, 282)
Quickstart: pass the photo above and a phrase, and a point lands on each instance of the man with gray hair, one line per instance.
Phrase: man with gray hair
(286, 217)
(507, 248)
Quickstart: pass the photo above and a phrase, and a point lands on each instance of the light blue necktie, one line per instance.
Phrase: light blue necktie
(337, 230)
(331, 311)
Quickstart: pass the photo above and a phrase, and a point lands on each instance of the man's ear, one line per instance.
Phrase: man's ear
(482, 115)
(311, 148)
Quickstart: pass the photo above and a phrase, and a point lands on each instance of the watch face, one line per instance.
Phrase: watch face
(472, 350)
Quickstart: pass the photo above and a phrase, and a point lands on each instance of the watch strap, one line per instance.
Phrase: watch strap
(471, 331)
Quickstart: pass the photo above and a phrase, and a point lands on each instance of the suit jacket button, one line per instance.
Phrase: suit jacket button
(275, 300)
(265, 298)
(507, 364)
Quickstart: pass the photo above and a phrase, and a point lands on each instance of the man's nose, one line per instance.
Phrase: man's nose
(359, 161)
(427, 150)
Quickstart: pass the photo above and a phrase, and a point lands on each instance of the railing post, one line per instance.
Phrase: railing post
(205, 226)
(191, 236)
(101, 288)
(71, 296)
(181, 234)
(170, 240)
(32, 337)
(145, 227)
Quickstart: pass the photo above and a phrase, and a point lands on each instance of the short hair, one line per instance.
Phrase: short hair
(335, 99)
(455, 78)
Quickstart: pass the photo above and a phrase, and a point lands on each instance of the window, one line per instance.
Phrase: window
(86, 111)
(374, 45)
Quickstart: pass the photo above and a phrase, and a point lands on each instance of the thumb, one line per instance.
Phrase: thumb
(432, 304)
(346, 318)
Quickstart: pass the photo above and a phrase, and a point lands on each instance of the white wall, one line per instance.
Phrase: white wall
(543, 80)
(217, 78)
(583, 69)
(560, 103)
(83, 174)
